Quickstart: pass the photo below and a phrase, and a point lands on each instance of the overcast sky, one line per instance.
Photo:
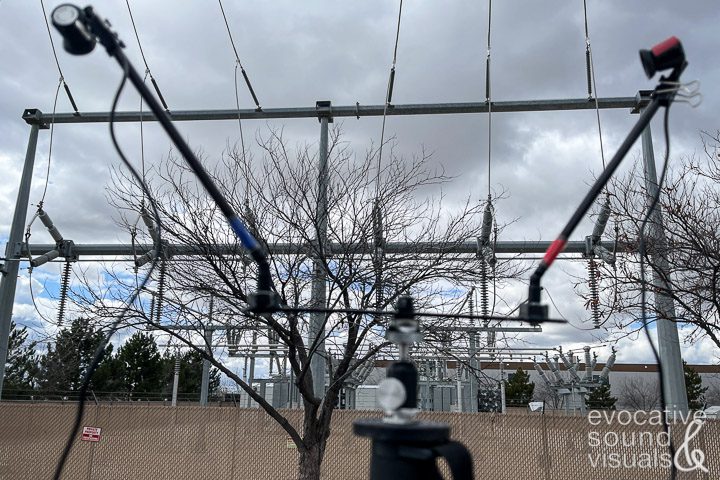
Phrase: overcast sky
(299, 52)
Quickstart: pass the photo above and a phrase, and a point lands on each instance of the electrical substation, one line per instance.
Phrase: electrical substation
(469, 342)
(389, 350)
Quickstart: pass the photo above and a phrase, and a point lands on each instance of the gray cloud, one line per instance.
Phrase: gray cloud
(296, 54)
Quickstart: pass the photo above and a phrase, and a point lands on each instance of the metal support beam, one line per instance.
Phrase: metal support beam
(205, 382)
(10, 270)
(668, 341)
(176, 378)
(318, 294)
(473, 374)
(420, 248)
(348, 111)
(251, 373)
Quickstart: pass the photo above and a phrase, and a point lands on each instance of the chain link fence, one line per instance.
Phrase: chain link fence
(156, 442)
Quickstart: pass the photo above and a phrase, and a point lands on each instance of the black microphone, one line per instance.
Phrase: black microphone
(665, 55)
(71, 22)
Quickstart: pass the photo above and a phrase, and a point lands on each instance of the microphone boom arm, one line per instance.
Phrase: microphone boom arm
(662, 96)
(91, 25)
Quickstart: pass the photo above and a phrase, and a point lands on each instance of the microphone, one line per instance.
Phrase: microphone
(72, 24)
(664, 55)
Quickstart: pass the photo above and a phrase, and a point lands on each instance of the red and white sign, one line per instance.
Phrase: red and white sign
(91, 434)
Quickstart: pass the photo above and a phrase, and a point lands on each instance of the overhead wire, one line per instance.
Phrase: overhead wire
(388, 101)
(57, 62)
(377, 223)
(592, 94)
(99, 352)
(592, 85)
(147, 67)
(148, 74)
(489, 225)
(243, 153)
(488, 97)
(237, 58)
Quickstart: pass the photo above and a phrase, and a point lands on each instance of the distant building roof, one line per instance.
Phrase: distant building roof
(618, 367)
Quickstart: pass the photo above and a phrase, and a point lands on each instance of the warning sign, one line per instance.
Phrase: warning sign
(90, 434)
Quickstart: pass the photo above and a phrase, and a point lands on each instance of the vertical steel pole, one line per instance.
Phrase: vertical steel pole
(668, 341)
(318, 293)
(502, 388)
(12, 264)
(206, 369)
(251, 372)
(176, 379)
(473, 383)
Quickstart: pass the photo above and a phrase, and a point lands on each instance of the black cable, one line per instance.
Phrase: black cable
(100, 351)
(643, 291)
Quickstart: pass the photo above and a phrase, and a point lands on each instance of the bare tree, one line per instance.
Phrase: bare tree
(639, 394)
(690, 203)
(277, 197)
(712, 395)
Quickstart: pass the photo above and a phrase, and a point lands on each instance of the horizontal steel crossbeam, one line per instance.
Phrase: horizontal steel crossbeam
(420, 248)
(34, 116)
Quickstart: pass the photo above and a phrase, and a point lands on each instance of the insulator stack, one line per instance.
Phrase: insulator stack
(593, 275)
(64, 286)
(588, 70)
(379, 254)
(588, 365)
(570, 366)
(540, 371)
(484, 290)
(160, 291)
(601, 222)
(485, 247)
(152, 308)
(605, 374)
(471, 301)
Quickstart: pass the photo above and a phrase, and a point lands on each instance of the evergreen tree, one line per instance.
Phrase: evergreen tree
(141, 365)
(65, 363)
(21, 365)
(600, 398)
(519, 389)
(694, 388)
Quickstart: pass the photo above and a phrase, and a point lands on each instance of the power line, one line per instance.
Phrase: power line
(388, 101)
(488, 97)
(57, 62)
(147, 67)
(592, 86)
(237, 58)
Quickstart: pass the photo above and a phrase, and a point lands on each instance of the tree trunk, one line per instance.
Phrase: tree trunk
(310, 461)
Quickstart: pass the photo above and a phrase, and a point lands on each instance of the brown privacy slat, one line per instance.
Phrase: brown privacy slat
(147, 441)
